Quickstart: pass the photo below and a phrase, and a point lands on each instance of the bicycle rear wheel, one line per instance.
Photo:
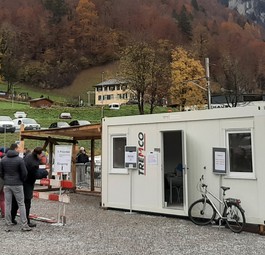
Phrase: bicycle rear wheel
(201, 212)
(235, 217)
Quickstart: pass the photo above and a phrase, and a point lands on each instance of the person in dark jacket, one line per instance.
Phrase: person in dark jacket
(14, 172)
(82, 157)
(32, 161)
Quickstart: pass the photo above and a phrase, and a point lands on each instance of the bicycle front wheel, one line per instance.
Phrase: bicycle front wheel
(201, 212)
(235, 217)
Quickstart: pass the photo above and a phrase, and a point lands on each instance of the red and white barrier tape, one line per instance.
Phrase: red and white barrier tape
(57, 183)
(39, 218)
(64, 198)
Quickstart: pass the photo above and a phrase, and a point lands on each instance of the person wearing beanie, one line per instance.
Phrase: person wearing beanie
(82, 157)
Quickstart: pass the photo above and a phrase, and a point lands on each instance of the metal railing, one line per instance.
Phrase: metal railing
(83, 176)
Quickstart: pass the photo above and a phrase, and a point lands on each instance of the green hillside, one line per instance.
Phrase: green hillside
(83, 82)
(86, 79)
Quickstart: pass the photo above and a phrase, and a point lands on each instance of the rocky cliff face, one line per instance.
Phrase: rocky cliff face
(252, 9)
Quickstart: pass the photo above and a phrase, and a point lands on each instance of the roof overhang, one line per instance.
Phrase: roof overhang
(86, 132)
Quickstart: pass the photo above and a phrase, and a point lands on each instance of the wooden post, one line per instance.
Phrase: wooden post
(74, 153)
(261, 229)
(92, 165)
(22, 142)
(50, 158)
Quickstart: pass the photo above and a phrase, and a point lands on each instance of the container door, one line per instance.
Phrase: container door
(175, 171)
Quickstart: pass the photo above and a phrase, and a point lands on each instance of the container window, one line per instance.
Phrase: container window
(119, 152)
(240, 153)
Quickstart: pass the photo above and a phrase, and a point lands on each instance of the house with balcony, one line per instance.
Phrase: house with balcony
(112, 91)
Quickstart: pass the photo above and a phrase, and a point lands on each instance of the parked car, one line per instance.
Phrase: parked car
(6, 125)
(59, 124)
(20, 115)
(29, 124)
(65, 115)
(79, 123)
(114, 106)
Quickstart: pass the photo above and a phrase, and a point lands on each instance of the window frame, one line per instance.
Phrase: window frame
(240, 175)
(113, 170)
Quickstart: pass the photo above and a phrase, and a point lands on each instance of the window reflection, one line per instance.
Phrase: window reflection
(119, 144)
(240, 152)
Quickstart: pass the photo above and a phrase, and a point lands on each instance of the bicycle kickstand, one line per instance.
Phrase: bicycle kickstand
(220, 223)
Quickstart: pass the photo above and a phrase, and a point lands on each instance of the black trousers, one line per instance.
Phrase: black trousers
(28, 194)
(15, 208)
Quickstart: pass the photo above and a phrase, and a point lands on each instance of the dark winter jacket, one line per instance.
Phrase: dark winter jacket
(32, 163)
(82, 158)
(13, 169)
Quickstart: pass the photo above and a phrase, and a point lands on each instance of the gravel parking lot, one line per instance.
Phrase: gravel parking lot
(92, 230)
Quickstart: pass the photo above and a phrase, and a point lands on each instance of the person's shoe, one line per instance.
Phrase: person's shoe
(9, 227)
(14, 222)
(32, 225)
(26, 228)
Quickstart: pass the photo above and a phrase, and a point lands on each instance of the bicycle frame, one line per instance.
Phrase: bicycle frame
(206, 196)
(205, 211)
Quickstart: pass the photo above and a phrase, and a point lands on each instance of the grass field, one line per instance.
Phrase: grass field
(47, 116)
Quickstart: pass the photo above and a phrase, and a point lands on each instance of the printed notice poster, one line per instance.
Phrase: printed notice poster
(131, 157)
(63, 158)
(219, 160)
(152, 158)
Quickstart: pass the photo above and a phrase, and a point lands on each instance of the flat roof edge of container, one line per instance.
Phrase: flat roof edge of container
(213, 114)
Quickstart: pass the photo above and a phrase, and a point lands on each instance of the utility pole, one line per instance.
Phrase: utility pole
(208, 82)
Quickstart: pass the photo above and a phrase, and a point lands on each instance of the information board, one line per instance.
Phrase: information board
(63, 158)
(131, 157)
(219, 160)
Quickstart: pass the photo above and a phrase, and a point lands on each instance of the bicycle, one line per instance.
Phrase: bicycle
(203, 211)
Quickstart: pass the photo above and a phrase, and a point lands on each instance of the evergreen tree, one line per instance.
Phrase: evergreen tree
(58, 8)
(184, 22)
(195, 5)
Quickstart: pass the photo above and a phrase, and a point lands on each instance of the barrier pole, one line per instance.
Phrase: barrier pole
(59, 223)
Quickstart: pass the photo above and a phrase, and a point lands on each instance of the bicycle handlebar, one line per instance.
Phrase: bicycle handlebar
(201, 185)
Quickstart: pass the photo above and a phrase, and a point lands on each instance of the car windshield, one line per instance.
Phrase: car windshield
(62, 124)
(29, 121)
(5, 118)
(83, 122)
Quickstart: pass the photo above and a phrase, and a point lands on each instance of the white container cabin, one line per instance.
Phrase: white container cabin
(175, 149)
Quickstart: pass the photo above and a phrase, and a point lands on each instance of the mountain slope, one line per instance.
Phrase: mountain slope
(254, 10)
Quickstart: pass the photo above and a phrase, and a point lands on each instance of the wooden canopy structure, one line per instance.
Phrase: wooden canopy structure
(69, 135)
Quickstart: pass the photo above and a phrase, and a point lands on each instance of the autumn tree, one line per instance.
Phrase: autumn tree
(86, 21)
(147, 69)
(9, 55)
(235, 79)
(157, 92)
(186, 73)
(136, 63)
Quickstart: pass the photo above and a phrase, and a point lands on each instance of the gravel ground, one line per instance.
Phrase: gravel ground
(92, 230)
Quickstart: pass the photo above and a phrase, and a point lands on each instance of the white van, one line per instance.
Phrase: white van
(114, 106)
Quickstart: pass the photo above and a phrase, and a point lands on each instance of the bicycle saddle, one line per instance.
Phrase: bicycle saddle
(225, 188)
